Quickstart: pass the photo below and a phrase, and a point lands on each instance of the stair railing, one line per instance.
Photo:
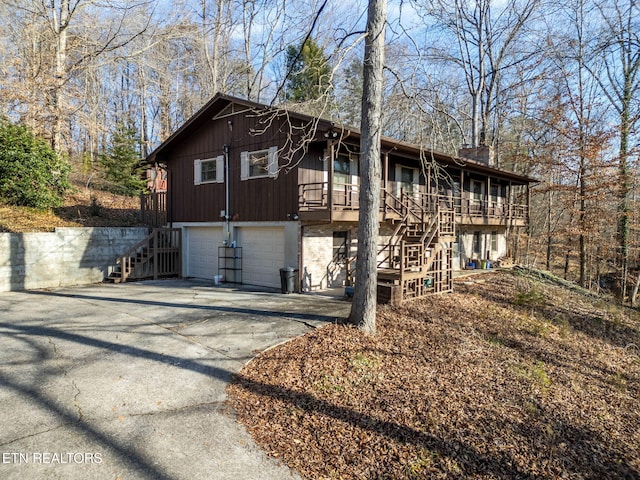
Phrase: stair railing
(158, 254)
(128, 260)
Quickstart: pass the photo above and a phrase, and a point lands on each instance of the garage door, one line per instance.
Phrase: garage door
(262, 255)
(202, 251)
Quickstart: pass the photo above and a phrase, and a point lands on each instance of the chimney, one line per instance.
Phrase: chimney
(481, 153)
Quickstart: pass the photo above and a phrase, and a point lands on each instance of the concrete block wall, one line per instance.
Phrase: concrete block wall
(68, 256)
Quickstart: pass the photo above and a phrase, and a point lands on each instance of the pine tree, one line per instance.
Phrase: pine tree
(122, 162)
(309, 73)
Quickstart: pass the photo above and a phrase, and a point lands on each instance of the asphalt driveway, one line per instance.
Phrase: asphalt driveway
(128, 381)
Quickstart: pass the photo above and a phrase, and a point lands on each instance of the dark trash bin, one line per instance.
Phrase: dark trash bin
(289, 280)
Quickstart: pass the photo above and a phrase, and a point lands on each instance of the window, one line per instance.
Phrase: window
(477, 244)
(456, 190)
(407, 179)
(341, 171)
(495, 192)
(210, 170)
(259, 164)
(476, 190)
(494, 241)
(340, 246)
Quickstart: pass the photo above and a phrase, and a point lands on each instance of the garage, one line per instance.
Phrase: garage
(262, 255)
(202, 251)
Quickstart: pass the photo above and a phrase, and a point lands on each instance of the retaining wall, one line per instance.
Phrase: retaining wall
(68, 256)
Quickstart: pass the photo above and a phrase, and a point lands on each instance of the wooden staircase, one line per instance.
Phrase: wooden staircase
(417, 258)
(159, 255)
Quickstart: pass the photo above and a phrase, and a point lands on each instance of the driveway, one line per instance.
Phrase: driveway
(128, 381)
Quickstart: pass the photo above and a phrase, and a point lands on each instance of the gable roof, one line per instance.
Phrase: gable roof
(216, 107)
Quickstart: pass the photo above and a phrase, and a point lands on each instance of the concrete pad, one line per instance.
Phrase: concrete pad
(128, 381)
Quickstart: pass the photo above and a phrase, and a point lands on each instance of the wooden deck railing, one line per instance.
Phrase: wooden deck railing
(316, 196)
(153, 208)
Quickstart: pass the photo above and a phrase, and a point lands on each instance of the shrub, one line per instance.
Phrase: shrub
(31, 172)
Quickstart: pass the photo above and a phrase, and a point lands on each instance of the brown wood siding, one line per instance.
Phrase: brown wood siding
(266, 199)
(259, 199)
(312, 166)
(394, 161)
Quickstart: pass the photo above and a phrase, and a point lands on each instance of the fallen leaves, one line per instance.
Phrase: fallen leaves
(110, 210)
(475, 384)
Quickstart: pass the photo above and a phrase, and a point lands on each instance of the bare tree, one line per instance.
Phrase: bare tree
(484, 40)
(363, 309)
(619, 47)
(581, 120)
(69, 44)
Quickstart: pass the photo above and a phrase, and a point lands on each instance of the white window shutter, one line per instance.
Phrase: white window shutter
(273, 162)
(197, 172)
(220, 168)
(244, 165)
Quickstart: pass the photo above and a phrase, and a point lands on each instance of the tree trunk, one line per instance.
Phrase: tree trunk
(549, 229)
(363, 308)
(634, 293)
(60, 22)
(582, 241)
(625, 188)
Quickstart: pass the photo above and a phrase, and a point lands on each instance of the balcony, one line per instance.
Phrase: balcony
(317, 202)
(341, 203)
(470, 211)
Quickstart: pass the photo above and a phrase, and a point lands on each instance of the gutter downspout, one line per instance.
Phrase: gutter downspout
(227, 217)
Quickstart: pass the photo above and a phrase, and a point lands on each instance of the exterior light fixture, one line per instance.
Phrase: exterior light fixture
(330, 134)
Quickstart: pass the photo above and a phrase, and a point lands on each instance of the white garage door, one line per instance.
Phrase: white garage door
(202, 251)
(262, 255)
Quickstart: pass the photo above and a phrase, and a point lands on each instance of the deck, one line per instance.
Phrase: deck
(317, 203)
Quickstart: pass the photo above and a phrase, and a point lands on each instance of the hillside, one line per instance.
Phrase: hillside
(79, 210)
(511, 376)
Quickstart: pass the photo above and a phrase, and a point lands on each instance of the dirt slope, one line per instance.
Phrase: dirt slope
(82, 208)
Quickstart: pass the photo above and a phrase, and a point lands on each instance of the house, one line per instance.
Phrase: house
(282, 188)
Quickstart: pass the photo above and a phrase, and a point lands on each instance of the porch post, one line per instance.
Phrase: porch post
(385, 181)
(462, 200)
(154, 253)
(488, 196)
(330, 146)
(385, 170)
(528, 216)
(510, 200)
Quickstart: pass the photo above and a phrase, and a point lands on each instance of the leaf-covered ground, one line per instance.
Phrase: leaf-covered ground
(509, 377)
